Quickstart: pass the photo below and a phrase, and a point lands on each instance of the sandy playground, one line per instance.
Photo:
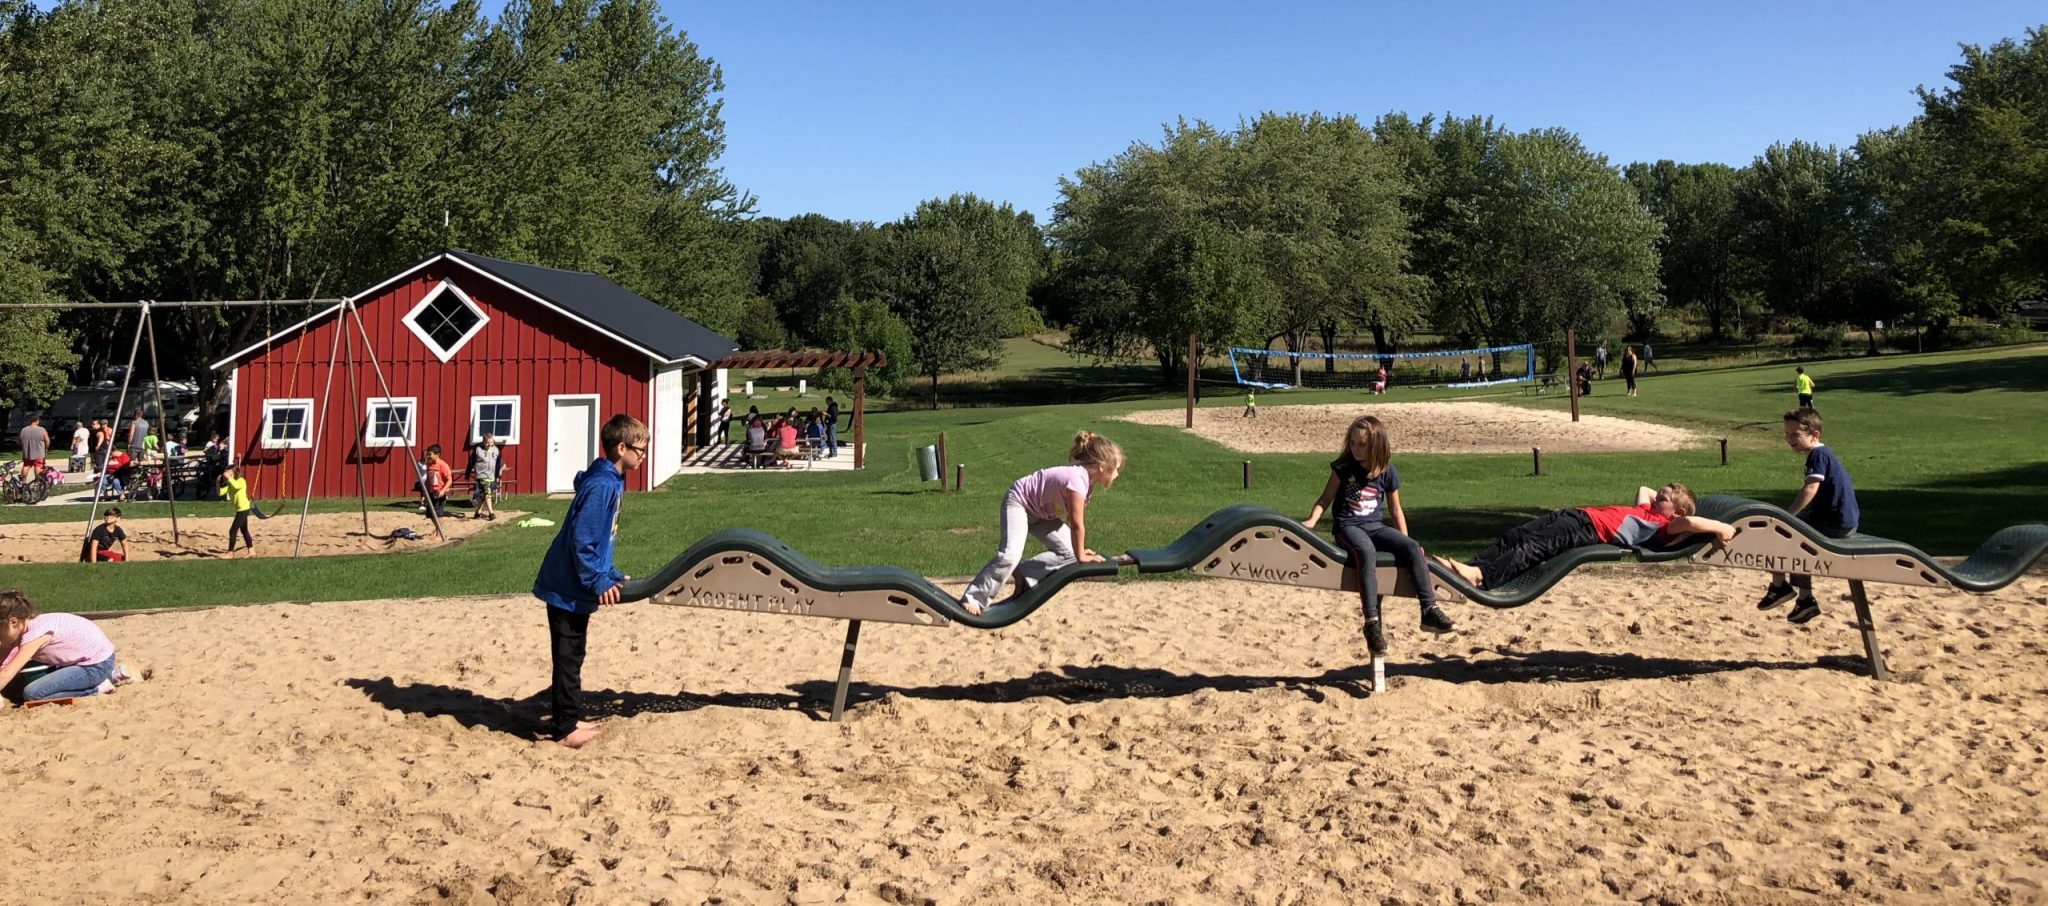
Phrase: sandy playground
(1424, 428)
(1627, 739)
(202, 537)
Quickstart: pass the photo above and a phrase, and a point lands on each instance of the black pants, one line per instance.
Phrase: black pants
(1533, 542)
(1363, 541)
(241, 525)
(1804, 582)
(567, 634)
(1806, 400)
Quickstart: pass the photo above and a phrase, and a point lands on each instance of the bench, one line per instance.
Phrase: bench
(464, 487)
(1543, 383)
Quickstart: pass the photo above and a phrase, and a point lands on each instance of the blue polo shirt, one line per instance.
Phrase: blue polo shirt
(1834, 505)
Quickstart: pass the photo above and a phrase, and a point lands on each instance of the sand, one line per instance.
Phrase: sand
(1644, 734)
(202, 537)
(1425, 428)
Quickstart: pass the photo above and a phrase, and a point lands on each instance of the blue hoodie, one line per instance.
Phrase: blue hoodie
(578, 565)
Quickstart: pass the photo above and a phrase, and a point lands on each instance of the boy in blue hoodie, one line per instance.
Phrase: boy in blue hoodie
(577, 576)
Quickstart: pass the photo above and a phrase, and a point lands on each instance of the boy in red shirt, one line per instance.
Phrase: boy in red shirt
(1659, 515)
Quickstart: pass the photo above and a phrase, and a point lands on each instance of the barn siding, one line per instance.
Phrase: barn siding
(524, 350)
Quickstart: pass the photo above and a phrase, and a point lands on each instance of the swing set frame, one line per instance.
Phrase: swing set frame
(346, 314)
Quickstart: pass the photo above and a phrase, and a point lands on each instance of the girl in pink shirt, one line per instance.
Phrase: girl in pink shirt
(1050, 505)
(81, 654)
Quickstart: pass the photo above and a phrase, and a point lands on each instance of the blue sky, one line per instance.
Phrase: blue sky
(859, 110)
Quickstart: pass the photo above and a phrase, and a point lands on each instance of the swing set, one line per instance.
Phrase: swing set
(347, 314)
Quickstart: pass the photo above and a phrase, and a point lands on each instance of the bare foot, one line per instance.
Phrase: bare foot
(586, 725)
(970, 607)
(1469, 573)
(583, 736)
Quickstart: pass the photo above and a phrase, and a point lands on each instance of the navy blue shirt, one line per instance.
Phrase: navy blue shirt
(1362, 498)
(1834, 505)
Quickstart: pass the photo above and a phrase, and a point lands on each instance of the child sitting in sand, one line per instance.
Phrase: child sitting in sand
(1661, 516)
(101, 546)
(81, 655)
(1367, 491)
(1050, 505)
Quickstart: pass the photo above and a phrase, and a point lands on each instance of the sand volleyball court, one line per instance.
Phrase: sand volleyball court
(1424, 428)
(203, 537)
(1641, 735)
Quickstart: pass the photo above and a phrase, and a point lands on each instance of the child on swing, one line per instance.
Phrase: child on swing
(1050, 505)
(1367, 490)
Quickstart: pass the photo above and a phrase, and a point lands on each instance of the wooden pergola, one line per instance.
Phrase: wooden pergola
(858, 361)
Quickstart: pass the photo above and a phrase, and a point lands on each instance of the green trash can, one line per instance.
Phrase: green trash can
(928, 462)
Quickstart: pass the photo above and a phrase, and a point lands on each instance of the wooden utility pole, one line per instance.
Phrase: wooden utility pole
(1191, 380)
(1571, 367)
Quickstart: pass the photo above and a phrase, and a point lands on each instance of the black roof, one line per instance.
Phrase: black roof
(609, 306)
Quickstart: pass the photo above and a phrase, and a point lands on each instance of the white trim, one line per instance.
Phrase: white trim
(277, 335)
(412, 420)
(263, 428)
(409, 319)
(234, 414)
(508, 439)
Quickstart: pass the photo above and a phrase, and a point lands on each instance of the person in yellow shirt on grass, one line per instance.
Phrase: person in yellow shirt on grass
(1802, 383)
(234, 488)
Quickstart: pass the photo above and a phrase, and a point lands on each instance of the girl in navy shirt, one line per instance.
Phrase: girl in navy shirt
(1367, 491)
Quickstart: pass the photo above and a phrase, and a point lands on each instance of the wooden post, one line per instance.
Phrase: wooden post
(942, 461)
(845, 669)
(860, 396)
(1571, 370)
(1247, 474)
(1869, 630)
(1191, 380)
(959, 476)
(1724, 451)
(1536, 453)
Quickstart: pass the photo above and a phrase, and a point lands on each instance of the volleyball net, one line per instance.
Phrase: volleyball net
(1274, 369)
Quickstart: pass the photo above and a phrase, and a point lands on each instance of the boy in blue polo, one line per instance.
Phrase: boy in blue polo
(1827, 501)
(577, 576)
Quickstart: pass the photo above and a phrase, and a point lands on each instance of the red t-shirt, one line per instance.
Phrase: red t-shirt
(1626, 525)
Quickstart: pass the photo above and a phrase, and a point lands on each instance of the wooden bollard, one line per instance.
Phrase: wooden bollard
(1536, 453)
(959, 475)
(1724, 451)
(1247, 474)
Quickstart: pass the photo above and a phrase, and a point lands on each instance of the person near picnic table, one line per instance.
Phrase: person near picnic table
(786, 439)
(138, 433)
(831, 427)
(815, 429)
(118, 474)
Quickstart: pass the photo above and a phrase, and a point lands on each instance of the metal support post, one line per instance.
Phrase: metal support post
(1869, 629)
(845, 669)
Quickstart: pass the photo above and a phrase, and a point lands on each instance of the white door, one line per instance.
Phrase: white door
(572, 439)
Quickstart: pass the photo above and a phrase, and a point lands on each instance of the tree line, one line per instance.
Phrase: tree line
(282, 149)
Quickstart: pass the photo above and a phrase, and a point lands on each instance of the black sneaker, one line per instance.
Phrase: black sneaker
(1808, 609)
(1375, 638)
(1433, 620)
(1775, 595)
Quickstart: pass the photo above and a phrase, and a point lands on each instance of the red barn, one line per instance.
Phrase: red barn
(467, 345)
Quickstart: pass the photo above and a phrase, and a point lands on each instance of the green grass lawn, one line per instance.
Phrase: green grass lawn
(1944, 448)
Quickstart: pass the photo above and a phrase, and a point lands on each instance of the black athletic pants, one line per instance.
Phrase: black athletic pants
(1533, 542)
(567, 633)
(1363, 541)
(241, 525)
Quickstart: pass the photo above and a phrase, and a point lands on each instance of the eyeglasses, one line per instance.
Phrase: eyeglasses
(642, 450)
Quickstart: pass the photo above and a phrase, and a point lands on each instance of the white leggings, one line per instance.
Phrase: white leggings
(1015, 524)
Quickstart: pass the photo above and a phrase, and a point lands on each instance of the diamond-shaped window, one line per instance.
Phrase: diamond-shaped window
(445, 320)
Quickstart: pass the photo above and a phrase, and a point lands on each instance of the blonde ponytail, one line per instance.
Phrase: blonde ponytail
(1092, 450)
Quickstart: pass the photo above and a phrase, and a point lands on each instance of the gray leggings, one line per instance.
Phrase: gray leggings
(1363, 541)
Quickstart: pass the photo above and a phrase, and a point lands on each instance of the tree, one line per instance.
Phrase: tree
(952, 287)
(1795, 204)
(1699, 265)
(34, 353)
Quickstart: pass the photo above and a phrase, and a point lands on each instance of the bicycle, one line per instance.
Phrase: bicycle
(29, 491)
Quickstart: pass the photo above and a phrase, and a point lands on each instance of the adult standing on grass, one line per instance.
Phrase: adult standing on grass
(1600, 357)
(138, 434)
(81, 447)
(831, 428)
(1649, 355)
(1802, 384)
(1628, 368)
(35, 447)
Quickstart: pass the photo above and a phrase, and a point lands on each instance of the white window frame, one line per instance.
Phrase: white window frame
(411, 404)
(270, 408)
(476, 435)
(411, 320)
